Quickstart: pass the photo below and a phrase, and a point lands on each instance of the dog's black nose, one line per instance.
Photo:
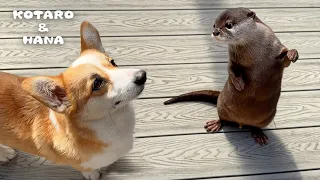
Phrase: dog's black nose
(140, 77)
(216, 32)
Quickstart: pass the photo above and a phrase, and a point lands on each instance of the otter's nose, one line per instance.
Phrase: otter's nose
(216, 32)
(140, 77)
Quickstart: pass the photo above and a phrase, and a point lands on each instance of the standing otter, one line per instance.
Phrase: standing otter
(256, 63)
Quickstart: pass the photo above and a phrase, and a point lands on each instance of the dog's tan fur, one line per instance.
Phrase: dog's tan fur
(25, 122)
(22, 118)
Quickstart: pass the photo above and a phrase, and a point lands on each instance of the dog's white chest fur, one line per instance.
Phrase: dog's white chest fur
(116, 130)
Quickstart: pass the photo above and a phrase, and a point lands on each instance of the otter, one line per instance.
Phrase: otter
(255, 68)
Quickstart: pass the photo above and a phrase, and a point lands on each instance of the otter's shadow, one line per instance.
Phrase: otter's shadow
(258, 160)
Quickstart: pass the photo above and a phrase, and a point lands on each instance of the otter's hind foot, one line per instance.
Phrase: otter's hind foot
(213, 126)
(259, 136)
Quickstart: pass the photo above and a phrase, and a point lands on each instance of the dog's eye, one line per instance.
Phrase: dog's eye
(113, 63)
(97, 84)
(228, 25)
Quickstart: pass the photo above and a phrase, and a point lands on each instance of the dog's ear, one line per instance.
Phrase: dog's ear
(90, 38)
(49, 91)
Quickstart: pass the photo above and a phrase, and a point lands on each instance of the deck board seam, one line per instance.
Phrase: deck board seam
(228, 132)
(163, 35)
(173, 9)
(136, 65)
(257, 174)
(283, 91)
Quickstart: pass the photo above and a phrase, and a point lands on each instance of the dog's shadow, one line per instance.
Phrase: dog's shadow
(122, 167)
(30, 167)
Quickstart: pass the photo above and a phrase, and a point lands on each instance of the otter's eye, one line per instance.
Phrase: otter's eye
(97, 84)
(113, 63)
(228, 25)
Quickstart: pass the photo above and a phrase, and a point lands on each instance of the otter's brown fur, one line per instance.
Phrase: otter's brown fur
(256, 63)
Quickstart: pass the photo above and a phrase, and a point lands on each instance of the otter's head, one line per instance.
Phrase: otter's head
(235, 25)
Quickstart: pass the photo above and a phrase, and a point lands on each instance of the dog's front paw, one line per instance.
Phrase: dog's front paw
(93, 175)
(6, 153)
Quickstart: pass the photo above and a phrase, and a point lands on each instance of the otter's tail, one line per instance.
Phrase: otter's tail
(204, 96)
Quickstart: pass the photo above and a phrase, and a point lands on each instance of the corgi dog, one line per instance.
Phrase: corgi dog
(83, 117)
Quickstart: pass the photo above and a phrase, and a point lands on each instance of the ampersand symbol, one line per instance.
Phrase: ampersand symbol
(42, 28)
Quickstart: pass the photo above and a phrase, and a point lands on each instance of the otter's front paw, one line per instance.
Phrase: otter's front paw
(238, 83)
(293, 55)
(213, 126)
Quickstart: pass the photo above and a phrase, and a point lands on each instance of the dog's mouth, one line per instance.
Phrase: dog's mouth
(130, 97)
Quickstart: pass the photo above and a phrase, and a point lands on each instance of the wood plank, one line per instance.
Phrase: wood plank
(294, 109)
(194, 156)
(171, 80)
(304, 112)
(302, 175)
(144, 4)
(140, 50)
(154, 119)
(128, 23)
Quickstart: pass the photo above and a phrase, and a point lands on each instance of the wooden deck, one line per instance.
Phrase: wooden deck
(171, 40)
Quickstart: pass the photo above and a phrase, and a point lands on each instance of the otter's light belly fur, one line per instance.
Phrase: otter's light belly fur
(116, 130)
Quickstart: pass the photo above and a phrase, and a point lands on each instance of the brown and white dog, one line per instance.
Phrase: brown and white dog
(83, 117)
